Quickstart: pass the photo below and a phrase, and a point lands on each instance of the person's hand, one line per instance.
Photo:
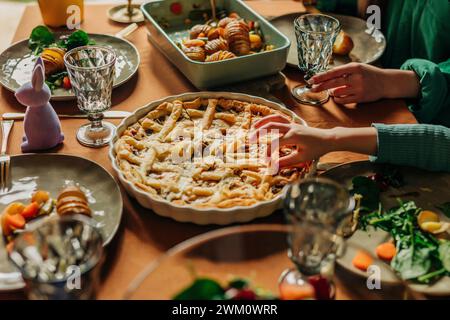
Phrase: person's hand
(350, 83)
(359, 82)
(311, 142)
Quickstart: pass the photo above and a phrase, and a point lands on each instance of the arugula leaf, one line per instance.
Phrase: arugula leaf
(420, 255)
(202, 289)
(40, 38)
(444, 254)
(411, 262)
(445, 208)
(369, 191)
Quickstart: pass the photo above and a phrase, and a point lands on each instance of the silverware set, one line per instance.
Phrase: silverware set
(4, 156)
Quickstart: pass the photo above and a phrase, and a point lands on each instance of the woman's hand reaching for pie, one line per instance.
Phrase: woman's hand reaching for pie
(311, 142)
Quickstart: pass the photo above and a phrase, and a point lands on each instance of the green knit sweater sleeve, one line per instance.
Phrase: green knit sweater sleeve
(433, 104)
(419, 145)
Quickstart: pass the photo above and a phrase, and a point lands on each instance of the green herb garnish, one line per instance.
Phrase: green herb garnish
(420, 256)
(77, 39)
(40, 38)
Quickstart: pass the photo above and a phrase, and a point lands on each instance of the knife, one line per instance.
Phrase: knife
(112, 114)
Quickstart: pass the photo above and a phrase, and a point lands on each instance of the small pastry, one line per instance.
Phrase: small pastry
(234, 15)
(72, 191)
(220, 55)
(53, 60)
(237, 35)
(224, 22)
(216, 45)
(72, 201)
(216, 33)
(195, 53)
(199, 29)
(343, 44)
(194, 43)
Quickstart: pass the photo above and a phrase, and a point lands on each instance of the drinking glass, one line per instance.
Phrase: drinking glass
(92, 72)
(60, 259)
(317, 209)
(315, 34)
(60, 13)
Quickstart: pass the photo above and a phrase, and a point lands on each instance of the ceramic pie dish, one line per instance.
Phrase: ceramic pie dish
(185, 212)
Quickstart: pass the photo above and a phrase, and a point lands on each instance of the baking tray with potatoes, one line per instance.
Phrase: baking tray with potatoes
(168, 24)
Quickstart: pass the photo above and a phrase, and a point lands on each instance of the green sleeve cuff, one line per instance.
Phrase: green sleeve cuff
(419, 145)
(434, 89)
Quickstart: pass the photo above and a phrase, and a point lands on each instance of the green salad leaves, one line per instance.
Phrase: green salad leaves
(42, 37)
(420, 257)
(77, 39)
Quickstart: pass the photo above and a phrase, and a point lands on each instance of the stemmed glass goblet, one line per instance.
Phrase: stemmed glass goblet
(92, 72)
(317, 210)
(315, 34)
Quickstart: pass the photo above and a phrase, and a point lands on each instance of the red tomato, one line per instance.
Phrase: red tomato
(322, 287)
(245, 294)
(66, 83)
(30, 211)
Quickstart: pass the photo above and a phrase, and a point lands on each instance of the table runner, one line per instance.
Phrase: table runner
(143, 236)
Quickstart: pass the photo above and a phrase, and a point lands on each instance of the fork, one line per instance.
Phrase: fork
(4, 157)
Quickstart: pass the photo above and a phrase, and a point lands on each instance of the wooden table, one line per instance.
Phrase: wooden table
(143, 236)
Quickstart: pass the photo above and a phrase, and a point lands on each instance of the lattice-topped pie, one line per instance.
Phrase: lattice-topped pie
(198, 153)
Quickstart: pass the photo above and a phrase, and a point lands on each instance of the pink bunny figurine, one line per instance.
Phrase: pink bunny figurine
(41, 125)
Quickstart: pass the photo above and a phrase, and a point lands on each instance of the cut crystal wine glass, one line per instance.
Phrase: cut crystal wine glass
(315, 34)
(316, 209)
(92, 72)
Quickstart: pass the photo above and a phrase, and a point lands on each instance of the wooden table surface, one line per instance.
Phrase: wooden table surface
(144, 236)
